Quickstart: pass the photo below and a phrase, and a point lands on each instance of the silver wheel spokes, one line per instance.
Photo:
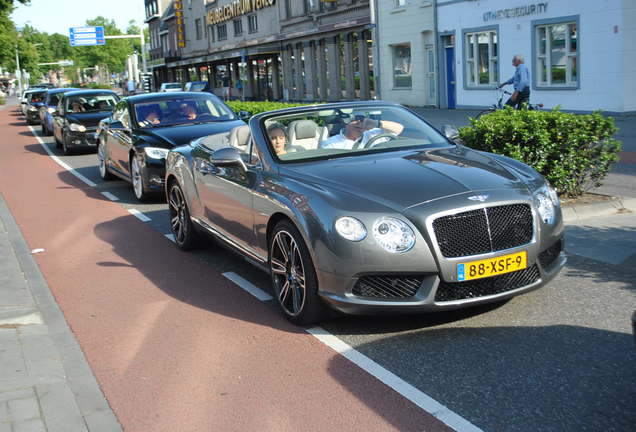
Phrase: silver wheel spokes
(289, 274)
(136, 178)
(177, 214)
(102, 161)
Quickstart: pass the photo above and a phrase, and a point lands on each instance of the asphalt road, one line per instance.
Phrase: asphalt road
(558, 359)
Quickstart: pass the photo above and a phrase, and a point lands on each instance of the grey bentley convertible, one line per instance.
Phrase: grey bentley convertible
(365, 208)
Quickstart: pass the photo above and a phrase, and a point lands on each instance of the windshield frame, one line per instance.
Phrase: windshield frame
(261, 120)
(208, 98)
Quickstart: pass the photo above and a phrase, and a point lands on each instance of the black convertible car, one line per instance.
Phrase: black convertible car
(135, 140)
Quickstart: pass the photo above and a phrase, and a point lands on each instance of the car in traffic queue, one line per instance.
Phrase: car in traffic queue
(135, 140)
(76, 119)
(170, 87)
(365, 208)
(49, 106)
(34, 100)
(24, 99)
(197, 86)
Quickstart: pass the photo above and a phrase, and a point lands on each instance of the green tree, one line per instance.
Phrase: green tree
(7, 5)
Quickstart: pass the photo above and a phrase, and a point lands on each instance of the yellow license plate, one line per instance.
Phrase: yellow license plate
(492, 266)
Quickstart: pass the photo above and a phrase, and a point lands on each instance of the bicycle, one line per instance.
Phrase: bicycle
(501, 93)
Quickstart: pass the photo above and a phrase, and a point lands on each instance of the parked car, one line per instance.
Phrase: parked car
(170, 87)
(49, 106)
(35, 100)
(135, 140)
(77, 116)
(366, 208)
(197, 86)
(24, 99)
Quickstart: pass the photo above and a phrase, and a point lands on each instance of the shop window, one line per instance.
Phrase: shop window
(481, 54)
(252, 23)
(238, 27)
(402, 77)
(198, 29)
(556, 53)
(221, 32)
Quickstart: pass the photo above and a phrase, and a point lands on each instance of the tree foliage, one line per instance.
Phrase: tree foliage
(7, 5)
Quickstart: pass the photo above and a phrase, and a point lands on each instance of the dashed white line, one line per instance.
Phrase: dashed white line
(169, 237)
(248, 286)
(60, 162)
(139, 215)
(393, 381)
(110, 196)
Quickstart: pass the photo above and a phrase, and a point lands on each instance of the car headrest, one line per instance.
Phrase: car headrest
(304, 129)
(240, 136)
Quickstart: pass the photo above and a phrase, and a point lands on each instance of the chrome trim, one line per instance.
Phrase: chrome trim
(227, 240)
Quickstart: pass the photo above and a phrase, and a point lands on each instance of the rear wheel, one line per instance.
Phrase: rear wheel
(294, 277)
(45, 131)
(182, 228)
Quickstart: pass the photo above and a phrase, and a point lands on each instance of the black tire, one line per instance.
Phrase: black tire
(136, 175)
(185, 234)
(291, 266)
(43, 130)
(66, 149)
(104, 174)
(58, 143)
(30, 122)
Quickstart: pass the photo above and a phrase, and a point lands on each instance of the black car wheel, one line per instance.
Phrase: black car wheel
(104, 174)
(58, 143)
(293, 276)
(45, 132)
(139, 188)
(66, 149)
(185, 234)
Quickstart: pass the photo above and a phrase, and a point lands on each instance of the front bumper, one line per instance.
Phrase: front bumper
(33, 116)
(154, 173)
(82, 140)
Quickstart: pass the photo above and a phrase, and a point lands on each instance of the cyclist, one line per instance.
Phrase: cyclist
(521, 83)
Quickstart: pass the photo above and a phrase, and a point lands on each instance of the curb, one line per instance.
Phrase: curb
(576, 212)
(91, 402)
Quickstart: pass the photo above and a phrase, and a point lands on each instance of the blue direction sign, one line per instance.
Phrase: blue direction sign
(87, 36)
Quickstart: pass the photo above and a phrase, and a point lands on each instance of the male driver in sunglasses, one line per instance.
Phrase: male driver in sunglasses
(360, 130)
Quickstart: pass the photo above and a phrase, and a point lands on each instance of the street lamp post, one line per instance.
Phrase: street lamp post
(18, 71)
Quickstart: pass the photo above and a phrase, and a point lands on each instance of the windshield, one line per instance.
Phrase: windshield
(37, 97)
(351, 131)
(91, 103)
(180, 111)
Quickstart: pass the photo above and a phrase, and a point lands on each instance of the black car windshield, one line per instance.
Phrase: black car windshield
(327, 133)
(181, 111)
(91, 103)
(37, 97)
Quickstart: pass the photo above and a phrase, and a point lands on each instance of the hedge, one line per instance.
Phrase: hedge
(573, 152)
(2, 100)
(258, 107)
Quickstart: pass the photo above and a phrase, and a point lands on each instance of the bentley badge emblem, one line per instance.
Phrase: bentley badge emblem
(480, 198)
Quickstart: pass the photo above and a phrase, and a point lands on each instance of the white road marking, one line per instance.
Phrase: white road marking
(170, 237)
(109, 195)
(139, 215)
(405, 389)
(411, 393)
(248, 286)
(59, 161)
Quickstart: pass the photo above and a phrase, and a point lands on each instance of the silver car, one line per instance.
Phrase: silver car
(365, 208)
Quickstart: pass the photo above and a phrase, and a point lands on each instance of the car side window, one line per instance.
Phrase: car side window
(254, 158)
(122, 115)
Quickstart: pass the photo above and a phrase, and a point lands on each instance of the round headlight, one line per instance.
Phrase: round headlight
(351, 228)
(393, 235)
(545, 207)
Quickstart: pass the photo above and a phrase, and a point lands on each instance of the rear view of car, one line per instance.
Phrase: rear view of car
(170, 87)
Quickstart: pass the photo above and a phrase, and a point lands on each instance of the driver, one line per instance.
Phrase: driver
(188, 111)
(363, 129)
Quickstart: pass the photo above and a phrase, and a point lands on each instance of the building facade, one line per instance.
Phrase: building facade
(406, 52)
(580, 54)
(303, 50)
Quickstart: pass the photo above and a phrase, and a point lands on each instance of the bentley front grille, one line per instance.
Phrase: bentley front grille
(450, 291)
(388, 286)
(484, 230)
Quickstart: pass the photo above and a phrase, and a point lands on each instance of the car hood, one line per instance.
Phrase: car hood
(88, 119)
(404, 179)
(174, 136)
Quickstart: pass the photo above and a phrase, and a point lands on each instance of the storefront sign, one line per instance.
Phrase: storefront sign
(235, 9)
(520, 11)
(178, 12)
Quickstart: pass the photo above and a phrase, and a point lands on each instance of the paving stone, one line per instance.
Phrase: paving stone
(89, 398)
(33, 425)
(5, 427)
(4, 412)
(23, 409)
(12, 366)
(103, 421)
(19, 393)
(59, 408)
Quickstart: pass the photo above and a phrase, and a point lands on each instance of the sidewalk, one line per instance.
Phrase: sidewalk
(45, 382)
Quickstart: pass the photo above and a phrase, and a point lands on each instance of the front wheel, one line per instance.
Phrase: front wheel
(66, 149)
(138, 180)
(181, 226)
(104, 174)
(294, 277)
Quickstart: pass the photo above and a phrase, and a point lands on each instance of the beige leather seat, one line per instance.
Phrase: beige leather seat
(306, 134)
(240, 137)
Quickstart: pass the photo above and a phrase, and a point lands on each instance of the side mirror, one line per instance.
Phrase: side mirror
(244, 115)
(227, 156)
(117, 125)
(450, 132)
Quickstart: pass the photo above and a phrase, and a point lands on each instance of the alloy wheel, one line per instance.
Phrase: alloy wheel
(288, 273)
(138, 186)
(178, 214)
(101, 157)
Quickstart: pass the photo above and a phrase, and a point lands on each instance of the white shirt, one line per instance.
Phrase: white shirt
(340, 141)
